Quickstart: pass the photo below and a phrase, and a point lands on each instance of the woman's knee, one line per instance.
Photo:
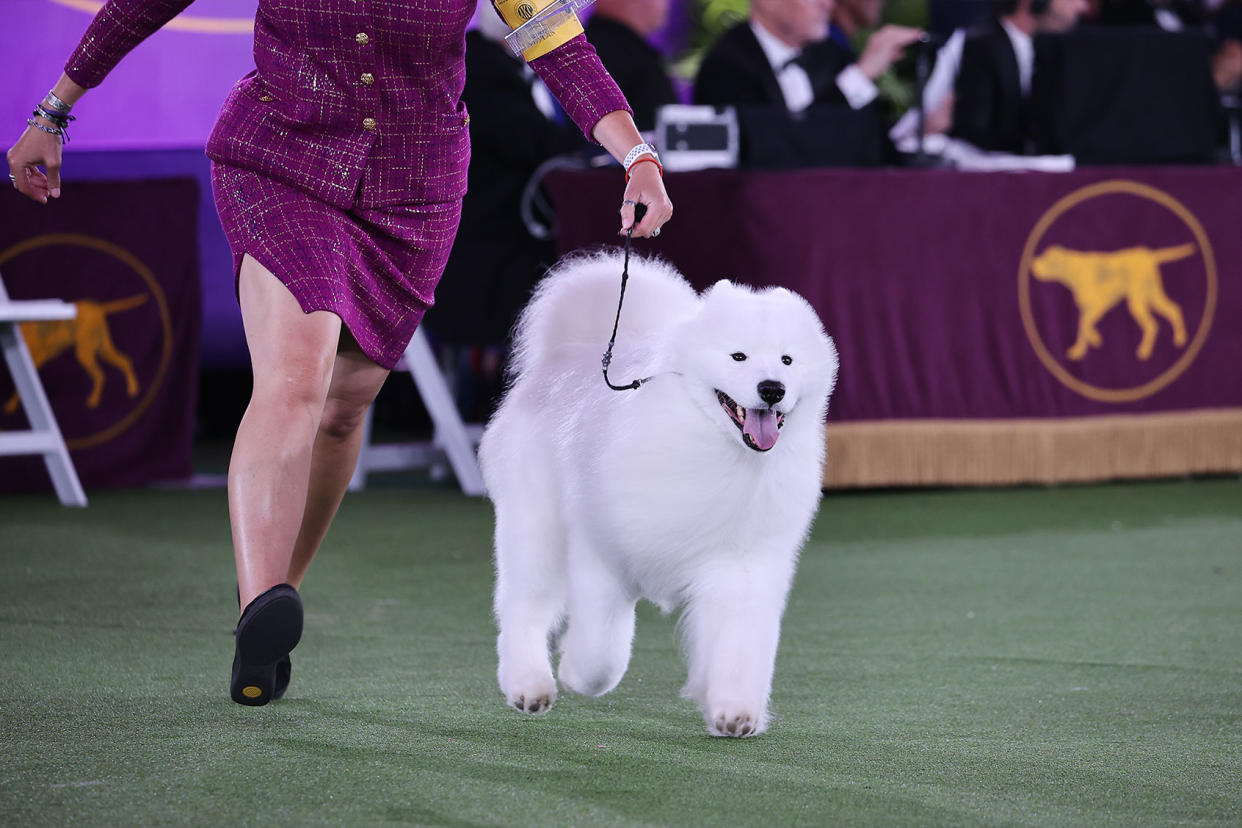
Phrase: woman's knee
(342, 417)
(299, 383)
(356, 380)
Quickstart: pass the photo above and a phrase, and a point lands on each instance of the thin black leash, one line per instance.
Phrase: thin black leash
(639, 211)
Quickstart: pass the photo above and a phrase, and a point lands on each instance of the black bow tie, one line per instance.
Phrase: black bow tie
(797, 60)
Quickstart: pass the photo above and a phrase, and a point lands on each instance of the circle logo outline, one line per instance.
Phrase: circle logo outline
(1064, 205)
(135, 264)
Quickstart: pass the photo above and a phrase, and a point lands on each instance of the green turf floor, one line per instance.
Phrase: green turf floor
(1039, 657)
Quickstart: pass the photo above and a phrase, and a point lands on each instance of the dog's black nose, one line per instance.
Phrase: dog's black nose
(771, 391)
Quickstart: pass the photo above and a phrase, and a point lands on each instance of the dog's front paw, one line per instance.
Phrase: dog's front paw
(735, 722)
(532, 696)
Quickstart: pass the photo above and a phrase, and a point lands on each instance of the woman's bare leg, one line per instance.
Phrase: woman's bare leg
(292, 356)
(356, 380)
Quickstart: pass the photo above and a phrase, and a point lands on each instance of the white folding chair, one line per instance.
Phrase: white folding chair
(44, 436)
(453, 439)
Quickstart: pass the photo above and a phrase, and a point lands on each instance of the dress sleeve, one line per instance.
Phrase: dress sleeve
(118, 27)
(575, 75)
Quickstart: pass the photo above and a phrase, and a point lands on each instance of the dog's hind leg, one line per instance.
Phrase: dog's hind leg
(596, 646)
(530, 606)
(530, 600)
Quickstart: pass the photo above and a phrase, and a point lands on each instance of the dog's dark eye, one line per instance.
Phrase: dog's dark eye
(739, 357)
(788, 360)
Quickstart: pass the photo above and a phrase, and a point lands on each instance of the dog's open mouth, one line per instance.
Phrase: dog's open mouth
(759, 426)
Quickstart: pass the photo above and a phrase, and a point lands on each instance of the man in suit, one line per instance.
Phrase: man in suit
(993, 84)
(619, 30)
(802, 98)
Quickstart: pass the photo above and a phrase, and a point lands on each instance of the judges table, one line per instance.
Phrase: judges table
(993, 328)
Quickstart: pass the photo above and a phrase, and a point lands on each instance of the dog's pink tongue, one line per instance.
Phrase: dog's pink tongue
(761, 427)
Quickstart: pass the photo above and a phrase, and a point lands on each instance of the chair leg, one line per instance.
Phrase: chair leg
(39, 412)
(450, 430)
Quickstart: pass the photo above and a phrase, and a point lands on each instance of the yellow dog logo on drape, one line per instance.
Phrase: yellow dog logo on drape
(1169, 285)
(93, 338)
(1100, 281)
(87, 334)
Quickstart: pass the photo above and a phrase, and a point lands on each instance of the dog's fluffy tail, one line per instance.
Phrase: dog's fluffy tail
(576, 303)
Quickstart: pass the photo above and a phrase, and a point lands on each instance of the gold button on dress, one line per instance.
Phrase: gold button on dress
(362, 38)
(369, 123)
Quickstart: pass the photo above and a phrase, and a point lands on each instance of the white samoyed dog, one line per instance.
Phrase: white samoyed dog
(698, 489)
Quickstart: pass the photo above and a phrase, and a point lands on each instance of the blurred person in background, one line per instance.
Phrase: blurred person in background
(993, 85)
(783, 55)
(619, 31)
(514, 127)
(1226, 26)
(782, 58)
(979, 89)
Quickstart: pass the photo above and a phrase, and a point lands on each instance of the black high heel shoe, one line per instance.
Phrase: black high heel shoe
(268, 630)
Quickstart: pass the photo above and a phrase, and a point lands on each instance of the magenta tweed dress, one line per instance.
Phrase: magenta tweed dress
(339, 164)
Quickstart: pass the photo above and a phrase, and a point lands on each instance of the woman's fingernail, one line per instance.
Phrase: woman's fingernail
(56, 193)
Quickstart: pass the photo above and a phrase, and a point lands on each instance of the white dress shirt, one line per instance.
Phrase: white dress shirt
(1024, 51)
(795, 84)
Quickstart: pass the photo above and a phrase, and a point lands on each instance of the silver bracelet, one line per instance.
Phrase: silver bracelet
(638, 152)
(58, 132)
(56, 103)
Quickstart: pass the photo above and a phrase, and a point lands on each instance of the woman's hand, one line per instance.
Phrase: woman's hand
(617, 134)
(34, 149)
(646, 186)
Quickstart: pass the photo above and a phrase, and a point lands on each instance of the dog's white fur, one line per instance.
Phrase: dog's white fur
(605, 497)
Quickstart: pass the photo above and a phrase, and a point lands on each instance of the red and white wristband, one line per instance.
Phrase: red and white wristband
(639, 154)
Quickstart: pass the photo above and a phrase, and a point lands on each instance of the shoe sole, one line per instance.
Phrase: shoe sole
(265, 637)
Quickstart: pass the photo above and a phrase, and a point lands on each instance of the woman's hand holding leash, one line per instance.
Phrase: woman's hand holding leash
(644, 176)
(646, 187)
